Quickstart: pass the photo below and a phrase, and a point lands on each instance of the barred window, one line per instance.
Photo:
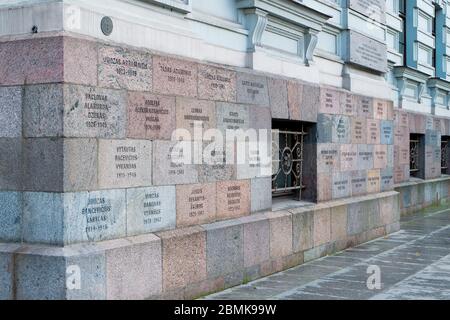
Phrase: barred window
(292, 152)
(445, 154)
(416, 155)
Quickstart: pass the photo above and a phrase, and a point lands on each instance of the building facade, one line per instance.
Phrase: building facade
(340, 109)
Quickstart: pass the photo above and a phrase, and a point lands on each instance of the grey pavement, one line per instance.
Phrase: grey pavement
(414, 263)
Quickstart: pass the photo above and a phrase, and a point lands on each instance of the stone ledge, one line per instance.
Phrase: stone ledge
(421, 181)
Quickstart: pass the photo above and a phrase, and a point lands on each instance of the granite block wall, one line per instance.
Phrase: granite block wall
(88, 176)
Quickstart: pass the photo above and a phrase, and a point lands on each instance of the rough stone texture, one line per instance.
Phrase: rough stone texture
(172, 163)
(362, 216)
(11, 112)
(43, 218)
(120, 68)
(135, 272)
(195, 116)
(325, 130)
(196, 204)
(46, 66)
(79, 61)
(43, 110)
(256, 241)
(214, 166)
(295, 96)
(43, 165)
(359, 131)
(80, 164)
(261, 194)
(216, 84)
(280, 234)
(232, 116)
(94, 112)
(10, 217)
(338, 223)
(310, 101)
(303, 231)
(322, 227)
(124, 163)
(11, 164)
(328, 158)
(278, 96)
(349, 157)
(94, 216)
(183, 257)
(252, 89)
(6, 276)
(224, 248)
(150, 209)
(233, 199)
(150, 116)
(173, 76)
(324, 187)
(330, 101)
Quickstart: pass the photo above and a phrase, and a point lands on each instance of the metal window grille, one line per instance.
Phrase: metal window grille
(414, 155)
(287, 162)
(444, 155)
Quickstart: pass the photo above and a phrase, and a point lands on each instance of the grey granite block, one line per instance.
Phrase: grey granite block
(11, 112)
(252, 89)
(10, 217)
(261, 194)
(11, 156)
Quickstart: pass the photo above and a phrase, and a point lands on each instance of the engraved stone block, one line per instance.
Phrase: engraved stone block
(387, 179)
(359, 183)
(328, 158)
(373, 181)
(150, 116)
(150, 209)
(175, 77)
(348, 104)
(401, 155)
(373, 132)
(401, 118)
(252, 89)
(215, 166)
(341, 185)
(124, 163)
(364, 107)
(380, 157)
(330, 101)
(341, 129)
(380, 109)
(367, 52)
(93, 112)
(233, 199)
(349, 157)
(359, 131)
(120, 68)
(325, 127)
(232, 117)
(11, 112)
(173, 162)
(195, 114)
(196, 204)
(387, 132)
(365, 159)
(278, 96)
(216, 84)
(94, 216)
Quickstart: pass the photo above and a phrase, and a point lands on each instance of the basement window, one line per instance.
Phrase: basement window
(445, 154)
(416, 158)
(293, 169)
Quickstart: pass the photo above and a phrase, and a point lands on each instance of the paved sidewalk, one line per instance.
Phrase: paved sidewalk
(414, 264)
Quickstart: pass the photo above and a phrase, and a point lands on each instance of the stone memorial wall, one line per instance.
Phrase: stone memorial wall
(90, 176)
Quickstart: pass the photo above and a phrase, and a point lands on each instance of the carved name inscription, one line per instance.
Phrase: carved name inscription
(367, 52)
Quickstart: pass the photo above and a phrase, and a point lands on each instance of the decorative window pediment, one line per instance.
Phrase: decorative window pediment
(283, 25)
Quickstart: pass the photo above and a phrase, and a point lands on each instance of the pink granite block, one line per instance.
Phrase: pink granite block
(349, 157)
(338, 223)
(373, 181)
(193, 113)
(216, 84)
(120, 68)
(348, 104)
(80, 61)
(173, 76)
(324, 187)
(183, 257)
(380, 156)
(373, 132)
(359, 131)
(380, 109)
(256, 241)
(233, 199)
(322, 227)
(32, 61)
(280, 234)
(196, 204)
(278, 96)
(150, 116)
(295, 96)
